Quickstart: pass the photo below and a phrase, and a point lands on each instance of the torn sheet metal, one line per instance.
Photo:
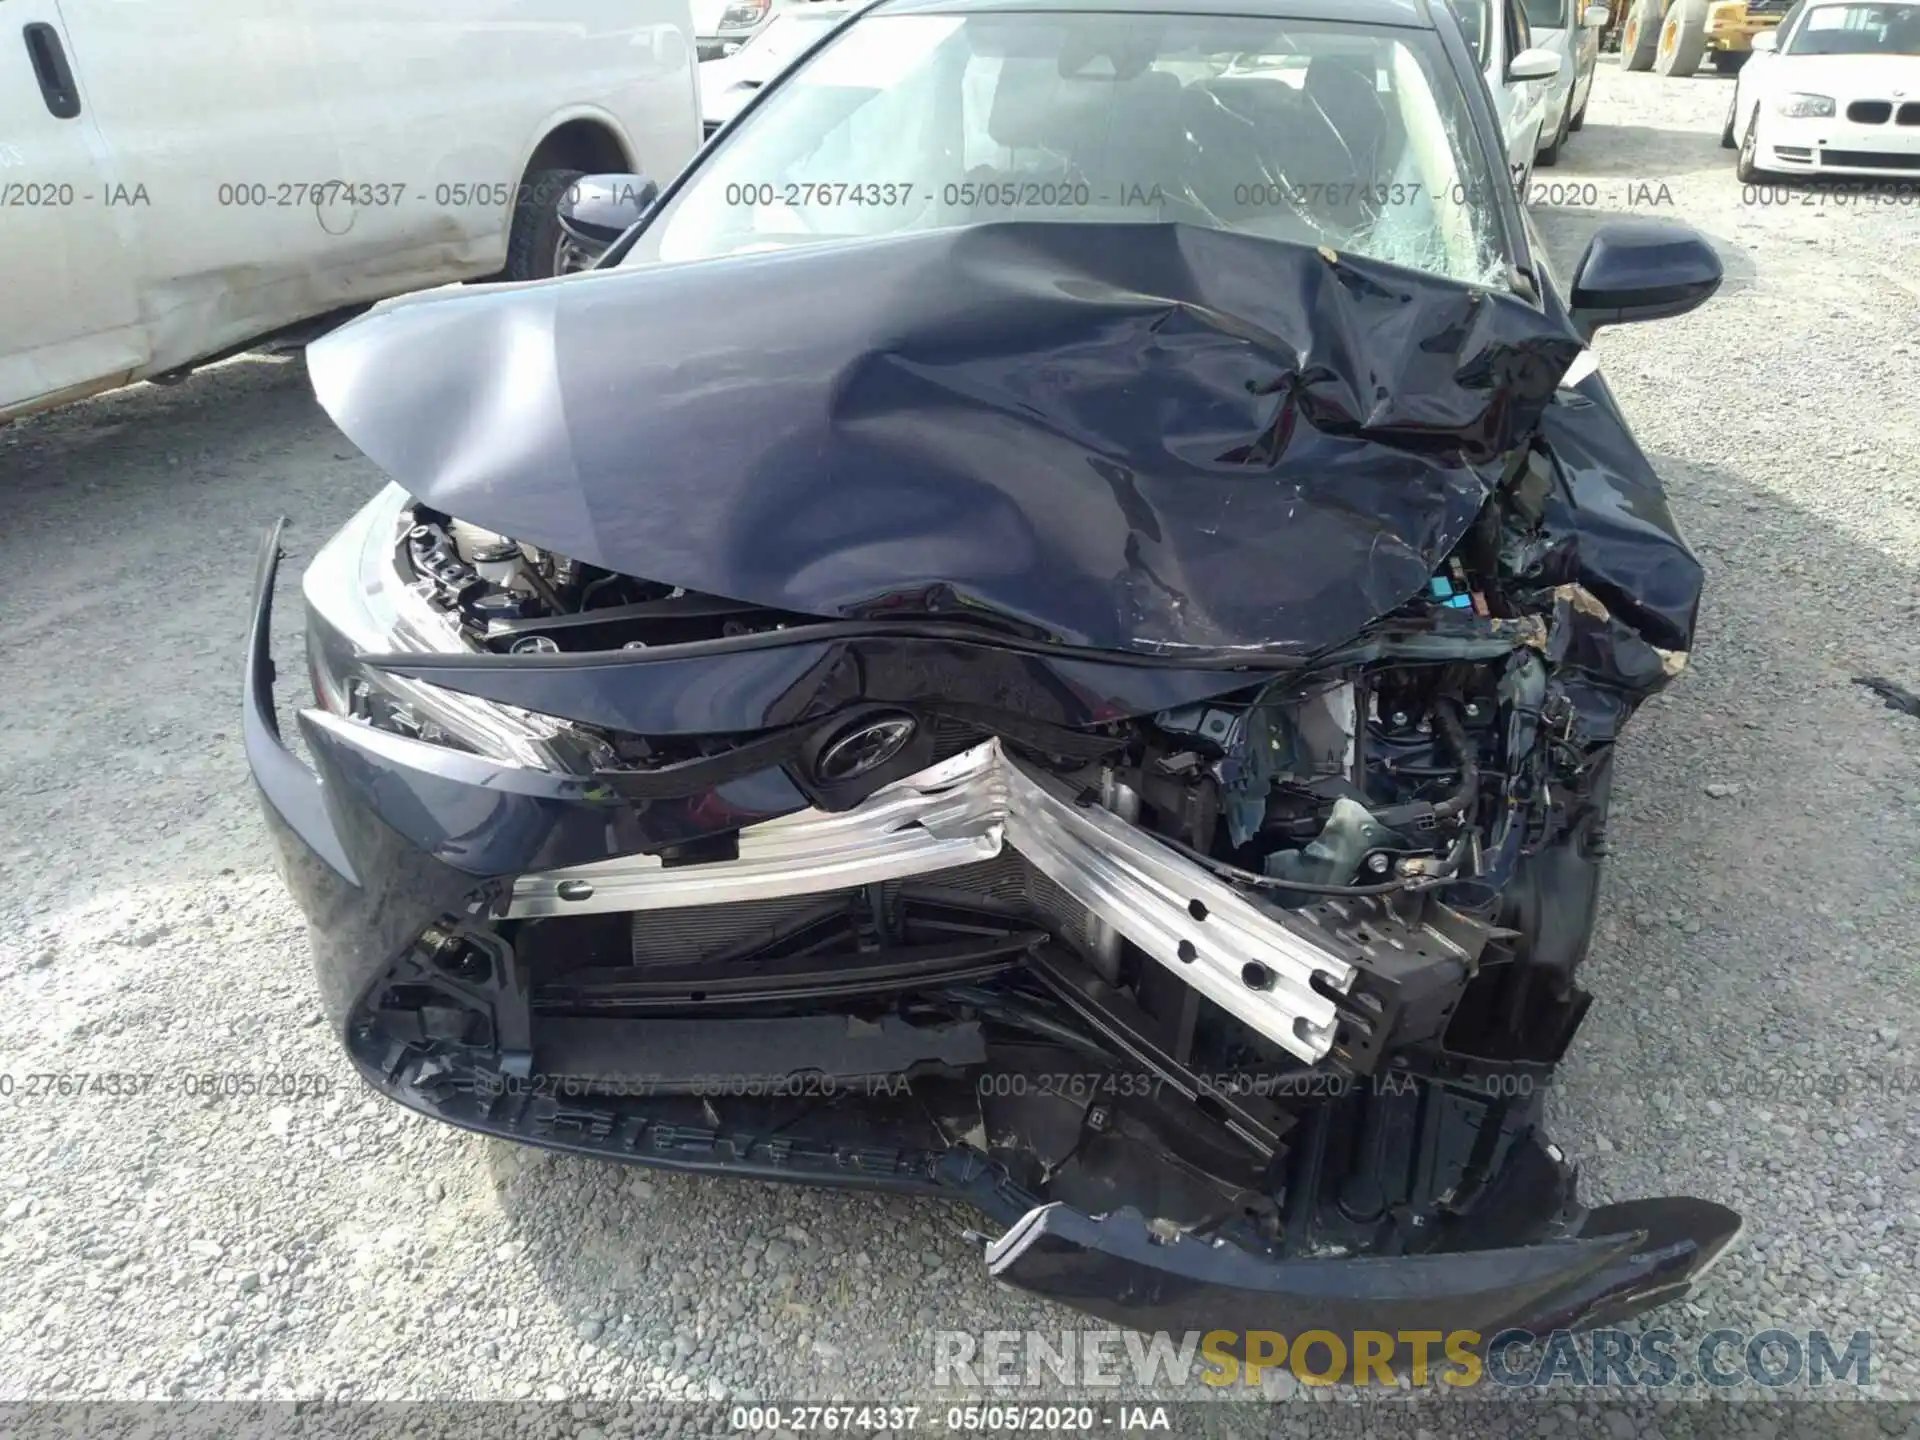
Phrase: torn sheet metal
(1146, 438)
(1607, 564)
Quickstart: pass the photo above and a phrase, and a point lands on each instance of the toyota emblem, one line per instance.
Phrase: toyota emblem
(865, 748)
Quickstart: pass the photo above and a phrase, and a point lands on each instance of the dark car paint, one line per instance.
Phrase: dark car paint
(1612, 533)
(1621, 1261)
(765, 687)
(434, 831)
(1110, 1266)
(1630, 550)
(1607, 518)
(392, 835)
(1642, 270)
(966, 427)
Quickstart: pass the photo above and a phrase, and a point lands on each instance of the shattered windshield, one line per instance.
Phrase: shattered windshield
(1353, 138)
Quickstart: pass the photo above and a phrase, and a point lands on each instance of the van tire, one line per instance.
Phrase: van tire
(1551, 155)
(534, 241)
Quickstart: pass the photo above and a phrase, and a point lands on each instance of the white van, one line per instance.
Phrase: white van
(179, 178)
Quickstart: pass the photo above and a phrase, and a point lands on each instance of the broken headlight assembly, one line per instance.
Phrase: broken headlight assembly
(360, 601)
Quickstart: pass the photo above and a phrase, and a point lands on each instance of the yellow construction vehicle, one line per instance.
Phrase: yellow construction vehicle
(1674, 36)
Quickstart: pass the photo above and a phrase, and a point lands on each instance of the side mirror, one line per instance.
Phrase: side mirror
(597, 209)
(1533, 64)
(1765, 42)
(1642, 270)
(1595, 16)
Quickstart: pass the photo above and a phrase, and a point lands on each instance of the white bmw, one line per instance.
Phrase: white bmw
(1834, 91)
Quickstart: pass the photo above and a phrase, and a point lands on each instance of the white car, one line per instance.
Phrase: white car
(722, 27)
(1834, 91)
(1571, 30)
(729, 83)
(1520, 77)
(180, 179)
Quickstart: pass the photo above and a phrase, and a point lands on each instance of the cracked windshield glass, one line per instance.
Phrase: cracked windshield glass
(1282, 129)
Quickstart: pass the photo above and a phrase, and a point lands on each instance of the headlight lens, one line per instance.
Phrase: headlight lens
(358, 602)
(744, 14)
(1802, 106)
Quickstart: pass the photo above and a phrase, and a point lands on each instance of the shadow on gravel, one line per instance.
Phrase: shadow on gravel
(1823, 776)
(107, 443)
(782, 1290)
(1641, 152)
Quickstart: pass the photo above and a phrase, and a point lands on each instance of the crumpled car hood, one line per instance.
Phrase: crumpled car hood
(1148, 439)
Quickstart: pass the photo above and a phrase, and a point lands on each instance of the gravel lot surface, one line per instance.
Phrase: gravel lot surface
(1756, 1037)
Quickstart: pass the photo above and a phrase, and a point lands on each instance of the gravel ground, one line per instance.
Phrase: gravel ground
(1756, 1037)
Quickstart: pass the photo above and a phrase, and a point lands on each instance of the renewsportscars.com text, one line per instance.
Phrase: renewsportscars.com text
(1653, 1359)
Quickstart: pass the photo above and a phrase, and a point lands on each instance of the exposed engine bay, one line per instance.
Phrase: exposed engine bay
(1430, 821)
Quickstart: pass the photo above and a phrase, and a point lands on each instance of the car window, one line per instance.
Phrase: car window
(1358, 139)
(1858, 30)
(1519, 33)
(1472, 15)
(1545, 14)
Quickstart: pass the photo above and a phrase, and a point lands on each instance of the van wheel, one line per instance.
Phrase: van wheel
(1551, 155)
(536, 246)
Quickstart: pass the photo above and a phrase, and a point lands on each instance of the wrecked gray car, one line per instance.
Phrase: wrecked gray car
(1105, 715)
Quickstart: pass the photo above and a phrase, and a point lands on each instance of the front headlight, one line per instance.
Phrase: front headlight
(1802, 106)
(358, 603)
(744, 14)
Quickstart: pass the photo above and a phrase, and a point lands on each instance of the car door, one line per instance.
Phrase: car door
(438, 109)
(1484, 26)
(1490, 28)
(1531, 97)
(1586, 51)
(69, 316)
(210, 113)
(1586, 45)
(1550, 27)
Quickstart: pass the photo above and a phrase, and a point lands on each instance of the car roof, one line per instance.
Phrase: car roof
(1406, 13)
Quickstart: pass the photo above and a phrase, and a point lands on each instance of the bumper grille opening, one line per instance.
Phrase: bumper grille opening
(823, 951)
(716, 934)
(1871, 159)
